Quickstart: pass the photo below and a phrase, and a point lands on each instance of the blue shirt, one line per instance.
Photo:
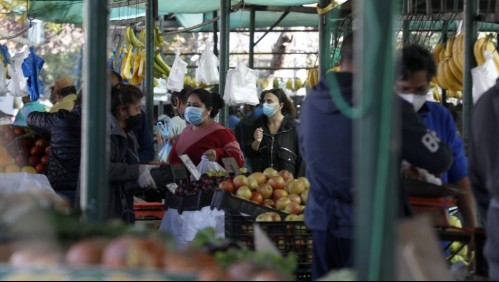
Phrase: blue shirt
(439, 119)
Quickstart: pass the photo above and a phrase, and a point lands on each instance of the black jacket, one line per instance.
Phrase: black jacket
(280, 151)
(64, 128)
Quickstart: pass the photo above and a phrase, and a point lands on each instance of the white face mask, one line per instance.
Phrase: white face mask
(416, 100)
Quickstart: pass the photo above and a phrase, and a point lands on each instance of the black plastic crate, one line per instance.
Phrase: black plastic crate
(224, 200)
(188, 203)
(287, 236)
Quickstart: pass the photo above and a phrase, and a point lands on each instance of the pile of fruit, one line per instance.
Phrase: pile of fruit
(271, 188)
(22, 150)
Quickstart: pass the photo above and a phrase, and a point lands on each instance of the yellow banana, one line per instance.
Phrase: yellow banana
(135, 42)
(289, 84)
(159, 60)
(477, 50)
(297, 83)
(313, 76)
(275, 83)
(127, 64)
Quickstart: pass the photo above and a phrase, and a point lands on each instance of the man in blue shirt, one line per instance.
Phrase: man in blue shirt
(416, 70)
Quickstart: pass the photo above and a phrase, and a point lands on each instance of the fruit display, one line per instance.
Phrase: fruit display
(21, 150)
(271, 188)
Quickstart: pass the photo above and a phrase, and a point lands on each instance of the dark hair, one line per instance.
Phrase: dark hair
(116, 75)
(287, 108)
(182, 95)
(347, 49)
(414, 58)
(66, 91)
(124, 95)
(211, 100)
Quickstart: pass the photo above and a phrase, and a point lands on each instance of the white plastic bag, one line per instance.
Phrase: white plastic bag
(207, 71)
(18, 85)
(165, 152)
(484, 77)
(165, 132)
(176, 78)
(205, 165)
(240, 87)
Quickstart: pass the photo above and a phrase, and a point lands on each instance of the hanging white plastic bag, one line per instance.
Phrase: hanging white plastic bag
(240, 87)
(484, 77)
(176, 78)
(206, 165)
(18, 86)
(207, 71)
(165, 132)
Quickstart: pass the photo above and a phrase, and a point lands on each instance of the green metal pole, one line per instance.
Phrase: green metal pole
(149, 85)
(470, 36)
(224, 53)
(95, 161)
(324, 39)
(376, 140)
(252, 38)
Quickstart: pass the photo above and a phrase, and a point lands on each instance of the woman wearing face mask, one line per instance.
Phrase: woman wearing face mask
(203, 136)
(126, 172)
(275, 141)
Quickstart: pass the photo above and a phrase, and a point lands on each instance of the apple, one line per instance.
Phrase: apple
(44, 160)
(240, 180)
(282, 202)
(300, 217)
(244, 192)
(275, 216)
(269, 203)
(288, 176)
(302, 209)
(295, 198)
(40, 169)
(256, 197)
(36, 151)
(277, 182)
(260, 177)
(33, 161)
(305, 181)
(227, 186)
(252, 183)
(40, 142)
(291, 217)
(266, 190)
(295, 187)
(292, 207)
(277, 194)
(269, 171)
(264, 217)
(304, 196)
(19, 131)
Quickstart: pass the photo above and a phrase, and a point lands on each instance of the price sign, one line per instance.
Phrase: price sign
(191, 167)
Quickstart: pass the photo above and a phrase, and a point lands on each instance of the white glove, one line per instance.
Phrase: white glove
(145, 179)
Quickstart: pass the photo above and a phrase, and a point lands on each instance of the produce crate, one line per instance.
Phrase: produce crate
(287, 236)
(188, 203)
(148, 210)
(436, 208)
(224, 200)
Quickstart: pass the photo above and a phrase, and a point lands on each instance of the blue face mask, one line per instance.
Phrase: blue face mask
(194, 115)
(268, 109)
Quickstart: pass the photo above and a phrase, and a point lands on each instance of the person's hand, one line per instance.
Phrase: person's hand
(145, 179)
(258, 135)
(211, 155)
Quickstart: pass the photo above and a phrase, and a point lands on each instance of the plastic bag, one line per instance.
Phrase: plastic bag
(205, 165)
(207, 71)
(176, 78)
(240, 87)
(165, 132)
(18, 86)
(484, 77)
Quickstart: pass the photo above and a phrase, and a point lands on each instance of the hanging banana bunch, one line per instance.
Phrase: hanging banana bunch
(449, 73)
(313, 76)
(289, 84)
(483, 46)
(297, 84)
(161, 69)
